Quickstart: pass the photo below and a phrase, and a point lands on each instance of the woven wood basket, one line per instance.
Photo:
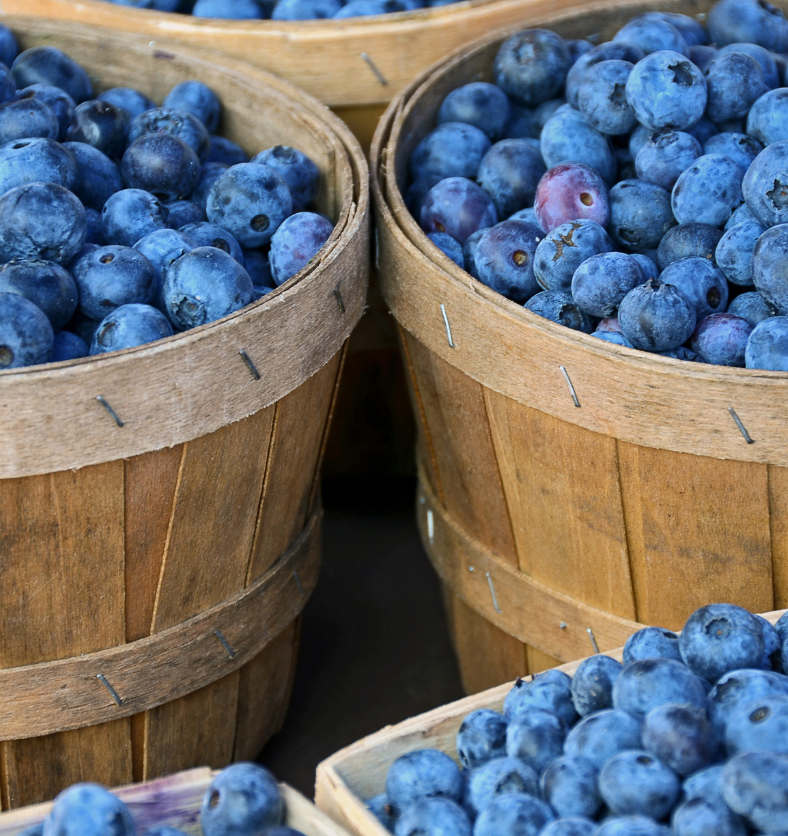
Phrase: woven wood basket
(175, 801)
(159, 507)
(355, 65)
(357, 773)
(569, 487)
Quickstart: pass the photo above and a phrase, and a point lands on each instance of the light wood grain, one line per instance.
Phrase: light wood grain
(357, 773)
(174, 801)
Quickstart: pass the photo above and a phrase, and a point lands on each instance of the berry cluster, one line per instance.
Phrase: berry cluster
(636, 190)
(689, 736)
(122, 222)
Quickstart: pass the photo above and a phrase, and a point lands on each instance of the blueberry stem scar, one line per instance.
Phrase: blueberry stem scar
(448, 327)
(225, 643)
(248, 360)
(742, 428)
(593, 640)
(339, 301)
(569, 384)
(492, 592)
(378, 74)
(112, 692)
(110, 410)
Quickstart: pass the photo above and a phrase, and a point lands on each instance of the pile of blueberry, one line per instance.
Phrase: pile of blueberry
(636, 190)
(283, 9)
(122, 222)
(688, 737)
(242, 800)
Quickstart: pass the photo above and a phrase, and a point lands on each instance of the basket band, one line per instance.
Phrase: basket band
(532, 612)
(51, 697)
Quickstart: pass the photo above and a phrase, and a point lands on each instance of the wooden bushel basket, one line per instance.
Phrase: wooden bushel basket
(175, 802)
(569, 488)
(355, 65)
(159, 506)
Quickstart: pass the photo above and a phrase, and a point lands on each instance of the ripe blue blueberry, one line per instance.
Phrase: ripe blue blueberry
(573, 826)
(97, 176)
(602, 98)
(161, 164)
(458, 207)
(482, 737)
(129, 326)
(569, 786)
(46, 284)
(765, 185)
(49, 65)
(738, 688)
(453, 149)
(706, 816)
(433, 817)
(235, 10)
(241, 799)
(700, 283)
(564, 249)
(767, 347)
(27, 118)
(652, 32)
(57, 100)
(688, 240)
(759, 726)
(205, 234)
(306, 9)
(37, 160)
(682, 737)
(198, 99)
(183, 212)
(610, 51)
(226, 151)
(469, 252)
(734, 252)
(652, 643)
(721, 339)
(656, 317)
(68, 346)
(551, 691)
(514, 814)
(480, 104)
(592, 684)
(161, 248)
(601, 735)
(88, 810)
(448, 246)
(769, 260)
(751, 307)
(644, 685)
(734, 21)
(560, 307)
(381, 809)
(636, 783)
(26, 336)
(99, 124)
(171, 121)
(297, 241)
(510, 172)
(299, 172)
(755, 785)
(640, 214)
(708, 191)
(531, 66)
(568, 137)
(498, 776)
(258, 267)
(128, 100)
(705, 783)
(504, 259)
(536, 738)
(735, 82)
(112, 276)
(665, 155)
(131, 214)
(424, 773)
(631, 826)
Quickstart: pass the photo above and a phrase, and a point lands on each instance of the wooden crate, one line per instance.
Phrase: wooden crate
(175, 801)
(352, 776)
(567, 483)
(154, 567)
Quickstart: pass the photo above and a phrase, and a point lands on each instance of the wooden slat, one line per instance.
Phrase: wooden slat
(778, 517)
(61, 594)
(698, 532)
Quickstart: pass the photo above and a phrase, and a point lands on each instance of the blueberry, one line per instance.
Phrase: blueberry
(510, 172)
(703, 130)
(297, 241)
(601, 735)
(250, 201)
(765, 185)
(741, 215)
(592, 684)
(688, 240)
(363, 8)
(204, 285)
(602, 99)
(531, 66)
(615, 337)
(701, 816)
(499, 776)
(755, 785)
(240, 800)
(88, 810)
(37, 160)
(49, 65)
(504, 259)
(226, 151)
(700, 283)
(128, 326)
(424, 773)
(299, 172)
(708, 191)
(171, 121)
(41, 220)
(258, 267)
(57, 100)
(381, 809)
(666, 90)
(128, 100)
(574, 826)
(112, 276)
(235, 10)
(161, 248)
(541, 114)
(529, 215)
(183, 212)
(131, 214)
(560, 307)
(682, 353)
(736, 689)
(198, 99)
(578, 47)
(640, 214)
(569, 786)
(68, 346)
(521, 122)
(551, 691)
(480, 104)
(433, 817)
(772, 643)
(513, 814)
(681, 736)
(759, 726)
(459, 207)
(568, 192)
(482, 737)
(631, 826)
(652, 643)
(44, 283)
(453, 149)
(734, 82)
(665, 155)
(564, 249)
(721, 339)
(164, 830)
(636, 783)
(469, 252)
(204, 234)
(567, 137)
(448, 246)
(209, 174)
(649, 683)
(26, 336)
(719, 638)
(27, 118)
(782, 626)
(752, 307)
(651, 32)
(611, 51)
(754, 21)
(99, 124)
(705, 783)
(8, 46)
(306, 9)
(702, 55)
(97, 176)
(735, 250)
(656, 317)
(767, 347)
(767, 121)
(161, 164)
(417, 191)
(536, 738)
(766, 61)
(693, 32)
